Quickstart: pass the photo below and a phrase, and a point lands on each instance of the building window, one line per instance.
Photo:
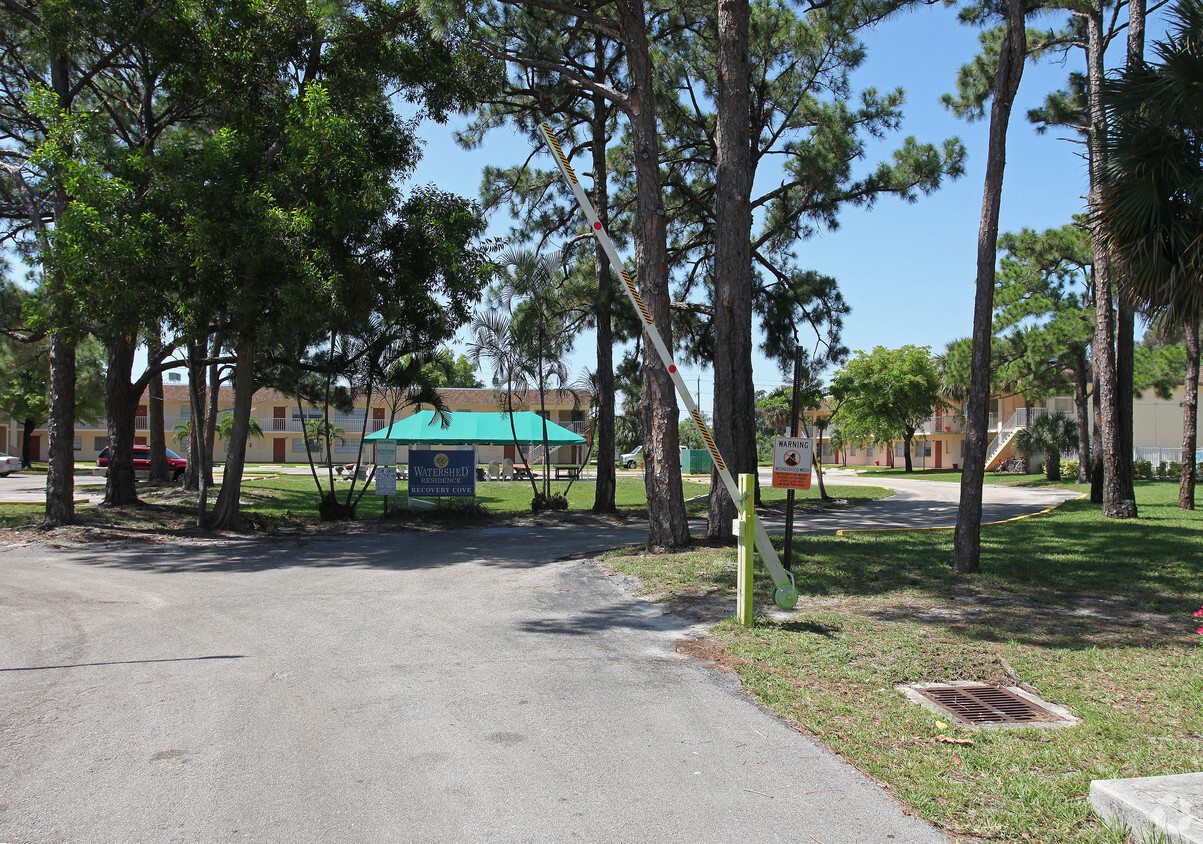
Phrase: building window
(851, 450)
(99, 442)
(923, 449)
(826, 450)
(868, 451)
(79, 444)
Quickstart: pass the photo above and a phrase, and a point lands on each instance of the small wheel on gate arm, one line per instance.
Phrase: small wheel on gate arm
(786, 596)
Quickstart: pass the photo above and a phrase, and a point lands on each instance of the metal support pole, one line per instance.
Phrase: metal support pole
(745, 530)
(787, 553)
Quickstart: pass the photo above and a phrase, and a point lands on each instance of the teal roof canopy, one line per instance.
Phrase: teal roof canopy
(424, 428)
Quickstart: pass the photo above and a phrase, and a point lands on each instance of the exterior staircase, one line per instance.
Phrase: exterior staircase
(1020, 419)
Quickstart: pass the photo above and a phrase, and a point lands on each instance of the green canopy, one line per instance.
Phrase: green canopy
(475, 428)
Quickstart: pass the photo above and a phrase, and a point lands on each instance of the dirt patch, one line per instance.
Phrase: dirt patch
(706, 649)
(163, 516)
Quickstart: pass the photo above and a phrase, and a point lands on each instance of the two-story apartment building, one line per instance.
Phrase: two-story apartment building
(282, 421)
(940, 441)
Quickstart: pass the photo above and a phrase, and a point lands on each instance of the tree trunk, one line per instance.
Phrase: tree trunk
(60, 459)
(198, 462)
(29, 426)
(60, 426)
(734, 391)
(196, 404)
(1052, 465)
(1125, 322)
(120, 404)
(967, 536)
(667, 525)
(1118, 499)
(1096, 444)
(156, 435)
(226, 514)
(603, 496)
(1082, 412)
(906, 451)
(1190, 418)
(210, 421)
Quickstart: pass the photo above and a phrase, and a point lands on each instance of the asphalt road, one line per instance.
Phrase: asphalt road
(457, 686)
(467, 686)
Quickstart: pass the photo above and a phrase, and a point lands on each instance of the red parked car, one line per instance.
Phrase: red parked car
(175, 463)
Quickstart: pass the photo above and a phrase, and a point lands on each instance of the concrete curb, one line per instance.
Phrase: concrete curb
(1156, 809)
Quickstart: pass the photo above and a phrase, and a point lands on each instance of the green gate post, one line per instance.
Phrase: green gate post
(746, 530)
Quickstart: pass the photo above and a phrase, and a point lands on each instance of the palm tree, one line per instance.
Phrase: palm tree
(525, 338)
(1152, 210)
(225, 426)
(1050, 433)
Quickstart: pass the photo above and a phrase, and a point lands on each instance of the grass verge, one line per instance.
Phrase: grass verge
(290, 503)
(1095, 614)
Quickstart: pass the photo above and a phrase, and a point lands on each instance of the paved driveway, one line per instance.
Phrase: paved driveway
(467, 686)
(919, 503)
(410, 687)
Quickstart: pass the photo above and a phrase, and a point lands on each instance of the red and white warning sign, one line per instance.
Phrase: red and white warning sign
(791, 462)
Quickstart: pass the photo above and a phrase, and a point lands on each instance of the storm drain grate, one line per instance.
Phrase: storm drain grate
(987, 705)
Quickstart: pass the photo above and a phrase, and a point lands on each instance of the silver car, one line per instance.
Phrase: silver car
(8, 465)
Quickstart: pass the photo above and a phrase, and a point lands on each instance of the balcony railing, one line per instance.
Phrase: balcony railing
(942, 425)
(287, 425)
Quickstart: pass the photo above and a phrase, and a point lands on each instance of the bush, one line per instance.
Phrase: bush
(1175, 471)
(1143, 470)
(556, 501)
(1069, 469)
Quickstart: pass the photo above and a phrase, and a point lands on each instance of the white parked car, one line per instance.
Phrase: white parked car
(8, 465)
(631, 459)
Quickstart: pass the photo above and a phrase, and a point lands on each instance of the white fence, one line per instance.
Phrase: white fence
(1158, 455)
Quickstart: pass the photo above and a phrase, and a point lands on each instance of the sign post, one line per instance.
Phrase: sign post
(386, 470)
(792, 457)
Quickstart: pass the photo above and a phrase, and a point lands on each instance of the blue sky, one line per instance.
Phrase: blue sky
(906, 270)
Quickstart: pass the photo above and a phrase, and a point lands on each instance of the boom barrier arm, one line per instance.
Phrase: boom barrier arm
(785, 593)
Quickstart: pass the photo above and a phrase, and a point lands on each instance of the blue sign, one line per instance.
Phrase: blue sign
(442, 473)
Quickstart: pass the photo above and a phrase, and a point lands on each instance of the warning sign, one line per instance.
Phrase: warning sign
(791, 462)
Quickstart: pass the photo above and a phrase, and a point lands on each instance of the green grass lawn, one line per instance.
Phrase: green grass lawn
(1095, 614)
(285, 501)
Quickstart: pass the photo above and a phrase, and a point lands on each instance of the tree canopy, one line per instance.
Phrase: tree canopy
(886, 395)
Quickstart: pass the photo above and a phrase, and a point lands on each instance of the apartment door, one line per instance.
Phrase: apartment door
(278, 423)
(278, 449)
(35, 448)
(377, 418)
(939, 447)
